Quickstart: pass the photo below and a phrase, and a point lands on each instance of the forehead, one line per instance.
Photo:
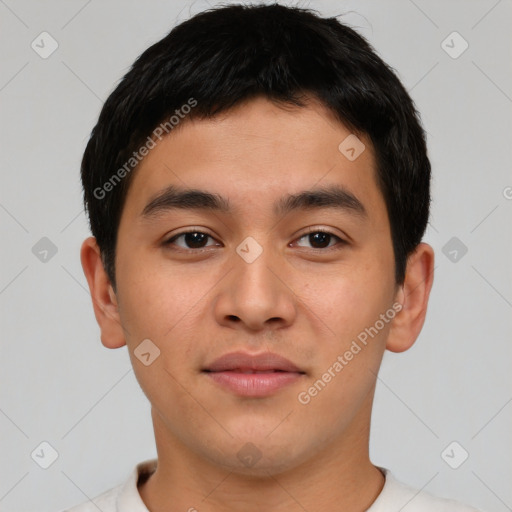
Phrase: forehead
(255, 153)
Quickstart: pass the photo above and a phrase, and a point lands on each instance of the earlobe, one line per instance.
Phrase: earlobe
(103, 297)
(413, 296)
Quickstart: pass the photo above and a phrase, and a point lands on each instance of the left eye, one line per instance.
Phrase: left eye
(321, 239)
(192, 239)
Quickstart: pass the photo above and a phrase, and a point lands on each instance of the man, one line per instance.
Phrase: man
(258, 187)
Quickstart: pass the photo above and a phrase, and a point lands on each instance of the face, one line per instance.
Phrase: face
(258, 272)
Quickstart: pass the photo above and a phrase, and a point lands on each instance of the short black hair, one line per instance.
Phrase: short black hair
(230, 54)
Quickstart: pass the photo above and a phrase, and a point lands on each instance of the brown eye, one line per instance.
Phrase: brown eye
(319, 239)
(190, 240)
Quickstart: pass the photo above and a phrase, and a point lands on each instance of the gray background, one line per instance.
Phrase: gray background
(60, 385)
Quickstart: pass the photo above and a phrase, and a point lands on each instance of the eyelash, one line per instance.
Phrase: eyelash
(311, 231)
(337, 246)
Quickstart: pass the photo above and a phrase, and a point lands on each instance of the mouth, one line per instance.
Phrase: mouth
(253, 375)
(249, 371)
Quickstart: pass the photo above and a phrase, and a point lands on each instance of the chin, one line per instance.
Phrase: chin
(259, 455)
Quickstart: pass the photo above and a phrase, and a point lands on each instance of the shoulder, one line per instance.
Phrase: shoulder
(124, 497)
(398, 496)
(105, 502)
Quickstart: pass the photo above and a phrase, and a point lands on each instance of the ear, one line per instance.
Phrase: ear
(413, 296)
(104, 299)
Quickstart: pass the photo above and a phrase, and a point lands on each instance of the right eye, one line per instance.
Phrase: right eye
(190, 240)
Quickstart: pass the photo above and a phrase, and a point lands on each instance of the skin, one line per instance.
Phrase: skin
(301, 300)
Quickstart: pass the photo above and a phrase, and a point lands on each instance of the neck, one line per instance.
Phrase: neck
(338, 477)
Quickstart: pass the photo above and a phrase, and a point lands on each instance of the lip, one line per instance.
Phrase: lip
(244, 361)
(233, 371)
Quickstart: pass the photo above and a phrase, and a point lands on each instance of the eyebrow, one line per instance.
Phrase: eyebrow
(173, 198)
(332, 196)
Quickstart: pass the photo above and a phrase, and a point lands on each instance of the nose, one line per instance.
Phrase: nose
(257, 294)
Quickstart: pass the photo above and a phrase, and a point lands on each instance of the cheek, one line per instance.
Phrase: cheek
(162, 310)
(165, 308)
(351, 354)
(357, 335)
(155, 303)
(352, 302)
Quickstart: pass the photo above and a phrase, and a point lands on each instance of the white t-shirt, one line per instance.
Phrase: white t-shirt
(394, 497)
